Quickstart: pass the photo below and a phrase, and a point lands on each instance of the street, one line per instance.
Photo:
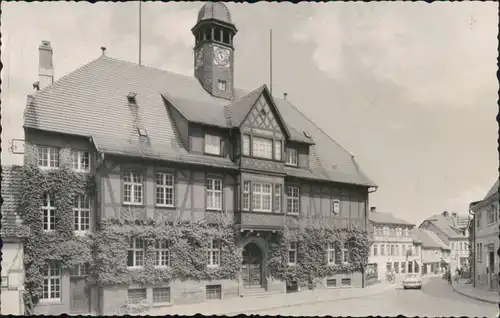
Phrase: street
(436, 298)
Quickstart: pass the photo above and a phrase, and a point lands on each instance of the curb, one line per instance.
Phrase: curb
(391, 286)
(474, 297)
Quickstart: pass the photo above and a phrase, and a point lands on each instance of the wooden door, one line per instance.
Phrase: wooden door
(251, 269)
(80, 294)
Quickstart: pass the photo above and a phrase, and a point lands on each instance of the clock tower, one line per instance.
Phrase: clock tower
(213, 50)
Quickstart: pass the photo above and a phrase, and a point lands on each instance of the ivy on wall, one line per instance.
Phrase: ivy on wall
(312, 261)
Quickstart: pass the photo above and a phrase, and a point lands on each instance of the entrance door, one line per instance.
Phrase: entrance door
(251, 269)
(79, 291)
(491, 268)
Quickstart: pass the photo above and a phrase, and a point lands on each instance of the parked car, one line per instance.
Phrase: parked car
(412, 281)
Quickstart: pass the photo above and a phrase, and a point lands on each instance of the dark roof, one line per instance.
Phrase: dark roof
(11, 187)
(386, 218)
(428, 239)
(214, 10)
(448, 225)
(492, 192)
(92, 102)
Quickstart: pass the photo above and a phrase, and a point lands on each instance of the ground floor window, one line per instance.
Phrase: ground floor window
(346, 282)
(214, 291)
(51, 281)
(161, 295)
(396, 267)
(410, 267)
(403, 267)
(389, 266)
(136, 295)
(331, 282)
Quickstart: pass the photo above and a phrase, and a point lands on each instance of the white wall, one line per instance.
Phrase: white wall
(13, 268)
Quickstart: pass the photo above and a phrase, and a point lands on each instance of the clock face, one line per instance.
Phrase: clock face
(199, 58)
(221, 57)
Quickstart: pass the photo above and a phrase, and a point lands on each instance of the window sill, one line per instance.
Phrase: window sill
(213, 154)
(81, 171)
(50, 301)
(291, 165)
(213, 210)
(133, 204)
(161, 266)
(80, 233)
(47, 168)
(163, 206)
(292, 264)
(292, 214)
(135, 268)
(162, 304)
(212, 266)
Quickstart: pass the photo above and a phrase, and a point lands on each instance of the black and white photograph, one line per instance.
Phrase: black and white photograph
(250, 158)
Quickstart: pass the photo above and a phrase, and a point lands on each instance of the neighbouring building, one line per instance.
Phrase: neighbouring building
(393, 248)
(434, 254)
(168, 152)
(485, 240)
(452, 229)
(12, 233)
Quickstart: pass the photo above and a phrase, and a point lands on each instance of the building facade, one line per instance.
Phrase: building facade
(452, 230)
(434, 254)
(393, 248)
(485, 240)
(13, 233)
(171, 189)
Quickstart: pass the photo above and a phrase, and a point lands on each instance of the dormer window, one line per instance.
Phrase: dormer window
(222, 85)
(292, 158)
(212, 145)
(142, 132)
(131, 98)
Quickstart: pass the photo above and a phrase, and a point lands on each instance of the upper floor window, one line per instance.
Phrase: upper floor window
(51, 281)
(164, 189)
(261, 197)
(386, 231)
(331, 253)
(292, 157)
(212, 145)
(80, 160)
(132, 188)
(162, 253)
(246, 195)
(222, 85)
(382, 250)
(292, 253)
(292, 200)
(48, 157)
(478, 219)
(49, 212)
(375, 251)
(246, 145)
(277, 198)
(214, 194)
(277, 150)
(81, 211)
(346, 252)
(135, 252)
(214, 253)
(491, 214)
(399, 232)
(262, 148)
(406, 233)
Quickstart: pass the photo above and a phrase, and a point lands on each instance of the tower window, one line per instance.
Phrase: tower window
(225, 37)
(217, 34)
(222, 85)
(208, 34)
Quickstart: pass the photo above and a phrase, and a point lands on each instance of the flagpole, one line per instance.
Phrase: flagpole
(140, 31)
(271, 61)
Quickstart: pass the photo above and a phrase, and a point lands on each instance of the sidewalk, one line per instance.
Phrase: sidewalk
(475, 293)
(235, 306)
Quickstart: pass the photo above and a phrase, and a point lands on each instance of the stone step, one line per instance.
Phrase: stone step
(257, 292)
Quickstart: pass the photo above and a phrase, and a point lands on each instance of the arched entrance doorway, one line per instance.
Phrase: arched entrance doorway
(251, 269)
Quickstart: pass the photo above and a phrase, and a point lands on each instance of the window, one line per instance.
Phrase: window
(132, 188)
(479, 252)
(392, 250)
(246, 195)
(388, 265)
(331, 253)
(49, 212)
(375, 252)
(246, 145)
(385, 231)
(261, 197)
(136, 295)
(346, 253)
(396, 249)
(212, 145)
(222, 85)
(399, 232)
(416, 250)
(406, 233)
(396, 267)
(490, 214)
(331, 282)
(135, 253)
(277, 150)
(292, 200)
(80, 160)
(162, 253)
(452, 245)
(382, 250)
(214, 292)
(161, 295)
(346, 282)
(292, 253)
(48, 157)
(277, 198)
(478, 219)
(80, 270)
(81, 211)
(51, 281)
(262, 148)
(164, 189)
(292, 157)
(214, 194)
(214, 253)
(403, 267)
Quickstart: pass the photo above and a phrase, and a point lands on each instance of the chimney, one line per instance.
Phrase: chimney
(285, 95)
(46, 68)
(373, 209)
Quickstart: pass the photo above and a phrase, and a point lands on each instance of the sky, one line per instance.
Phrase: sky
(409, 88)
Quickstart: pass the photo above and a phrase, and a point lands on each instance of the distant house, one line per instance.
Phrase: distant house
(452, 230)
(434, 254)
(12, 234)
(392, 248)
(485, 240)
